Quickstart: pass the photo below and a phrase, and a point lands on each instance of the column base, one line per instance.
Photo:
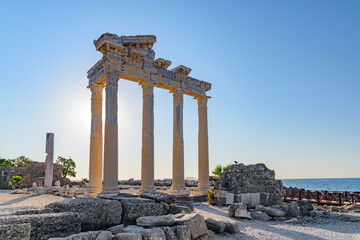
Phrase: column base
(110, 191)
(179, 192)
(200, 191)
(93, 192)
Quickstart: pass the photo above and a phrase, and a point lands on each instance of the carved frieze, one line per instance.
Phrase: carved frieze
(133, 58)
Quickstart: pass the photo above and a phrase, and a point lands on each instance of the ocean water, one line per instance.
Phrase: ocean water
(325, 184)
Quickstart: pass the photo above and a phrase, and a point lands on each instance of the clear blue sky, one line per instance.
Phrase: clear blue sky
(285, 75)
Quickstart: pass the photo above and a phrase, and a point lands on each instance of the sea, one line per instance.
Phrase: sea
(324, 184)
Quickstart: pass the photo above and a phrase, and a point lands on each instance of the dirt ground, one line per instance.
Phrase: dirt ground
(251, 229)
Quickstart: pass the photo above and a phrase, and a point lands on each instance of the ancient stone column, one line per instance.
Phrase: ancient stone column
(49, 161)
(178, 181)
(110, 183)
(147, 150)
(95, 168)
(203, 152)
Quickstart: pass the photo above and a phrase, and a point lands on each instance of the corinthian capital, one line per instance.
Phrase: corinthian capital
(96, 90)
(202, 101)
(178, 96)
(111, 79)
(148, 88)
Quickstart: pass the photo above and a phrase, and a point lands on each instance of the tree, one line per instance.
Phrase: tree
(68, 166)
(5, 162)
(21, 161)
(220, 169)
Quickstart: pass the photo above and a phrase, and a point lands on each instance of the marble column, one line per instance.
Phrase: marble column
(147, 149)
(178, 181)
(110, 183)
(203, 151)
(49, 161)
(95, 168)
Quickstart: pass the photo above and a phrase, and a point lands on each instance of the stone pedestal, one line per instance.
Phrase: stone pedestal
(95, 168)
(147, 149)
(178, 182)
(203, 152)
(49, 161)
(110, 183)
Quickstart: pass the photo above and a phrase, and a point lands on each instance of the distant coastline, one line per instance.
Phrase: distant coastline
(325, 184)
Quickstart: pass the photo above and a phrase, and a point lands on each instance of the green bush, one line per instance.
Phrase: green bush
(220, 169)
(84, 180)
(5, 162)
(15, 180)
(210, 195)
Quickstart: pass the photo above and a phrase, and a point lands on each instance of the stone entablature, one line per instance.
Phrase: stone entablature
(133, 59)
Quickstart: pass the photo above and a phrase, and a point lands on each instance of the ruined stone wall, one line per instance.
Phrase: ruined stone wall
(255, 182)
(32, 172)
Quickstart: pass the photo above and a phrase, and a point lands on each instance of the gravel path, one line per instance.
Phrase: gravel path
(334, 229)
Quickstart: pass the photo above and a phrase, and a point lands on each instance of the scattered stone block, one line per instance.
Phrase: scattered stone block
(95, 213)
(273, 212)
(176, 208)
(156, 221)
(116, 229)
(134, 210)
(159, 196)
(293, 209)
(207, 236)
(239, 210)
(92, 235)
(215, 226)
(47, 225)
(127, 236)
(232, 227)
(15, 231)
(261, 216)
(196, 223)
(147, 234)
(169, 233)
(182, 232)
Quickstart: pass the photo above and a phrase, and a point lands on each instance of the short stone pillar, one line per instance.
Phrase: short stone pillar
(49, 161)
(178, 182)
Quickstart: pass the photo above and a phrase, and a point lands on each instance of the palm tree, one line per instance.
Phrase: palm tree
(220, 169)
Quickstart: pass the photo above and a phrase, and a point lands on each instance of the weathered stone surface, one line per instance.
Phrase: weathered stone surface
(207, 236)
(116, 229)
(239, 210)
(215, 226)
(261, 216)
(47, 225)
(95, 213)
(182, 232)
(175, 208)
(232, 227)
(196, 223)
(127, 236)
(15, 231)
(189, 204)
(169, 233)
(156, 221)
(158, 196)
(92, 235)
(305, 208)
(34, 211)
(293, 210)
(147, 234)
(134, 210)
(273, 212)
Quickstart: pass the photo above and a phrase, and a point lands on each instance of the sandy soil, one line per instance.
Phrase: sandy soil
(332, 229)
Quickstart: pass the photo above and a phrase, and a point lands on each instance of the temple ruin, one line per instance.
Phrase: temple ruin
(132, 58)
